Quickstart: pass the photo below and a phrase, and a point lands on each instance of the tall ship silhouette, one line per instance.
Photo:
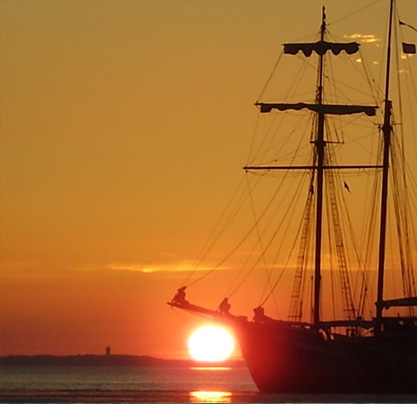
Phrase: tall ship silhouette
(351, 325)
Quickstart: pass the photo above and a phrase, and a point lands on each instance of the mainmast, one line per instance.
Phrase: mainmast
(320, 148)
(386, 132)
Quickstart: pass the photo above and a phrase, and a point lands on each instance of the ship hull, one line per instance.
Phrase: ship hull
(287, 359)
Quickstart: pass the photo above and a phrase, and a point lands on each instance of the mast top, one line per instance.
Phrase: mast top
(321, 47)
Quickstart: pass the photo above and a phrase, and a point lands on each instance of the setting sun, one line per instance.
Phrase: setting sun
(211, 344)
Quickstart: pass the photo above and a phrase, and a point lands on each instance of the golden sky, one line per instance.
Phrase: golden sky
(124, 126)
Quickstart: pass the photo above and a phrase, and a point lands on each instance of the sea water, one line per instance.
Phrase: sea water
(83, 384)
(26, 378)
(123, 384)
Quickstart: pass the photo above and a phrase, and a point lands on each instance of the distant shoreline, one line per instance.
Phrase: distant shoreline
(109, 360)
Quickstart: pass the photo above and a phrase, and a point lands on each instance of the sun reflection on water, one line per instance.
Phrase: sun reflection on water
(210, 397)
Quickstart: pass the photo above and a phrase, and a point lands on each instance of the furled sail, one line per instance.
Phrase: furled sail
(404, 302)
(331, 109)
(321, 47)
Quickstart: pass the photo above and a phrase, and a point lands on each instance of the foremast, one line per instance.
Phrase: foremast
(386, 133)
(320, 148)
(321, 109)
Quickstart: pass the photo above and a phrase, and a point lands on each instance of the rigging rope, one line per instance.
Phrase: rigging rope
(353, 13)
(217, 231)
(270, 76)
(261, 256)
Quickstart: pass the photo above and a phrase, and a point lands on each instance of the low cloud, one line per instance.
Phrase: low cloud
(151, 268)
(364, 38)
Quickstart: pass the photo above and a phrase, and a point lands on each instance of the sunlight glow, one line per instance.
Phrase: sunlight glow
(211, 344)
(211, 368)
(210, 397)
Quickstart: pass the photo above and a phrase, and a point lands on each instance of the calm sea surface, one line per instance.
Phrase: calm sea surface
(26, 378)
(79, 384)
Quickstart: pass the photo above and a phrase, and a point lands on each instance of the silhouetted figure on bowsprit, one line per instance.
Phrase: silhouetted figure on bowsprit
(224, 306)
(179, 297)
(259, 313)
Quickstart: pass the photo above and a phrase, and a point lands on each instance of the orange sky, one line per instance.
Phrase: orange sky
(124, 126)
